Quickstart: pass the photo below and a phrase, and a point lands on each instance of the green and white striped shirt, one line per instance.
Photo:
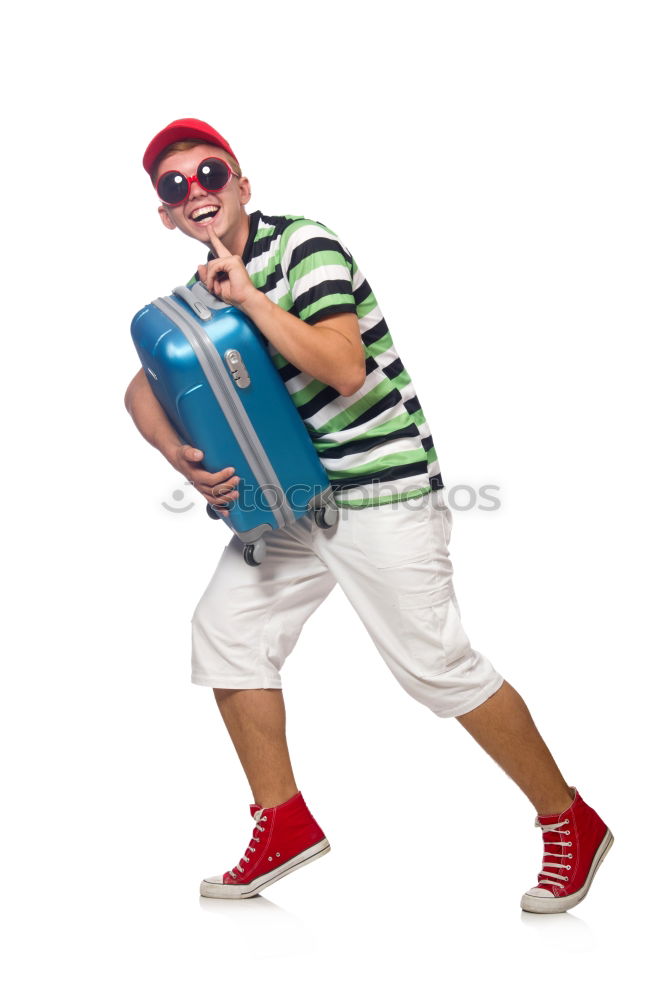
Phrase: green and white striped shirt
(375, 445)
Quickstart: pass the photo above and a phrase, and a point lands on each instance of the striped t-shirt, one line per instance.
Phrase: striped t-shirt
(375, 445)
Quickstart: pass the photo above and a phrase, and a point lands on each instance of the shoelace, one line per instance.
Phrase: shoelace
(552, 876)
(257, 819)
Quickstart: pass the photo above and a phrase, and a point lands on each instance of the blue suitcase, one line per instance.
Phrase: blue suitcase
(210, 370)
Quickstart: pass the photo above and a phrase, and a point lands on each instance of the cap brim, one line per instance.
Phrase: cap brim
(184, 128)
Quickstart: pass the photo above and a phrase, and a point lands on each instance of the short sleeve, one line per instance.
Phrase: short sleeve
(319, 271)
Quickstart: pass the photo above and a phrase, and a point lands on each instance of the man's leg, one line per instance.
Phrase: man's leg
(286, 836)
(575, 838)
(255, 720)
(244, 627)
(503, 727)
(396, 570)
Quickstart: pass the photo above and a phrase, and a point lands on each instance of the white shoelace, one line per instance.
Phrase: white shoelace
(554, 878)
(256, 819)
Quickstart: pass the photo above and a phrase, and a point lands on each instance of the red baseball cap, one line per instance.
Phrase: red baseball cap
(183, 128)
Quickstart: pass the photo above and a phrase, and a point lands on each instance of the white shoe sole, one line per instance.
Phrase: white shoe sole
(559, 904)
(216, 890)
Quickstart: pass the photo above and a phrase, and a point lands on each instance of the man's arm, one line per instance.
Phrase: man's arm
(333, 353)
(152, 422)
(149, 416)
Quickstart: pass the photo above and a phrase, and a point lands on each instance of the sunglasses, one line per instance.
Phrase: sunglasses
(213, 174)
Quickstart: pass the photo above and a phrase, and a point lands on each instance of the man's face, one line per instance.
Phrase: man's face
(229, 221)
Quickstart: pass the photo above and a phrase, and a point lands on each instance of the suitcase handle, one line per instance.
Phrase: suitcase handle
(200, 299)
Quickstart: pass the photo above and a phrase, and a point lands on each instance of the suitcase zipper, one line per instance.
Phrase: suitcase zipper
(226, 395)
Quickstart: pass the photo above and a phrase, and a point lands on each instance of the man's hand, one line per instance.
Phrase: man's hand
(216, 487)
(226, 276)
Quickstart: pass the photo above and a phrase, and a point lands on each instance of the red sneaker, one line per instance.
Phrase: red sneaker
(285, 838)
(576, 842)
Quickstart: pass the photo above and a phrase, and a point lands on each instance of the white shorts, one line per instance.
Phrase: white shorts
(393, 564)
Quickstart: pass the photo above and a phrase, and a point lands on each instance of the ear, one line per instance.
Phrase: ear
(165, 217)
(244, 186)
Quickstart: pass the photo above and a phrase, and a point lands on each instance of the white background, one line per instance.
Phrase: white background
(495, 169)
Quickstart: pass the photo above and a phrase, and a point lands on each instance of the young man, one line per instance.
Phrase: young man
(388, 549)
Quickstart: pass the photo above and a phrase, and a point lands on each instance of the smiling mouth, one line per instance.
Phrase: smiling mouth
(205, 215)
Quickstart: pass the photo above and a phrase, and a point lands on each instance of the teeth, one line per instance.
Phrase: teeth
(205, 210)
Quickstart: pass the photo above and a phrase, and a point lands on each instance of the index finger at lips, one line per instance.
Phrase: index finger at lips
(220, 250)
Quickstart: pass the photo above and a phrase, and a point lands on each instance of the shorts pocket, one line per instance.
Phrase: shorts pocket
(447, 523)
(431, 627)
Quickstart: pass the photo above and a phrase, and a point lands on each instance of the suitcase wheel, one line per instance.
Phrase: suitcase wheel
(325, 517)
(255, 552)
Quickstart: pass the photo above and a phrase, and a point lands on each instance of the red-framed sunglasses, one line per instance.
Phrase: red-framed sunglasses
(213, 174)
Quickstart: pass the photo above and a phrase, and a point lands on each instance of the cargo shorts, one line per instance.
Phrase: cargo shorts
(393, 564)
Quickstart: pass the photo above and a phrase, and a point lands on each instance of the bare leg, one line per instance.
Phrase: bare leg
(504, 728)
(255, 720)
